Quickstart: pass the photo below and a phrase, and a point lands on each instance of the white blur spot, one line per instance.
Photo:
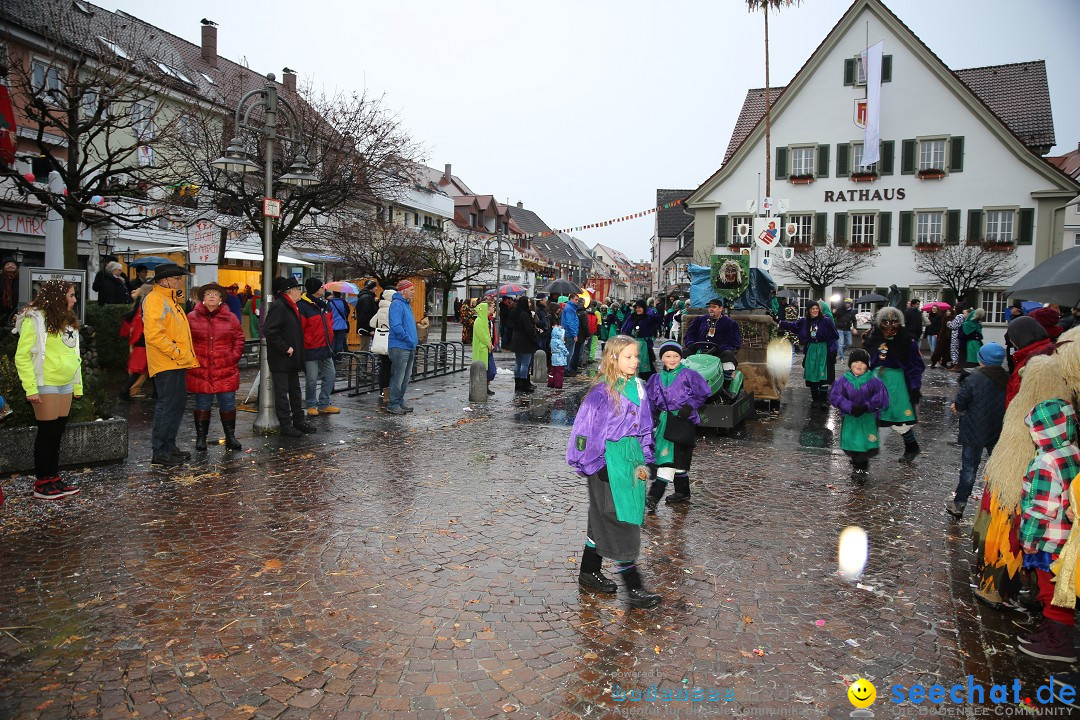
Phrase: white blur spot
(852, 552)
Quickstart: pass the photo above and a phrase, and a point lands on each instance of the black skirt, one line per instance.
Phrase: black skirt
(614, 539)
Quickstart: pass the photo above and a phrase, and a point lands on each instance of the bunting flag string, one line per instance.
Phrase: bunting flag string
(603, 223)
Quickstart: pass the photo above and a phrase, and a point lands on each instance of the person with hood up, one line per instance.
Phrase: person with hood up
(644, 328)
(1046, 521)
(483, 346)
(559, 355)
(817, 337)
(284, 333)
(895, 357)
(981, 404)
(339, 309)
(218, 342)
(859, 396)
(381, 318)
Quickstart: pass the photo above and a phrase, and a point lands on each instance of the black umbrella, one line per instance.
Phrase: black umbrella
(1056, 280)
(786, 294)
(562, 287)
(871, 298)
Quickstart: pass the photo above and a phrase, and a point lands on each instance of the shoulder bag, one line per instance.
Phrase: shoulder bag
(678, 430)
(380, 340)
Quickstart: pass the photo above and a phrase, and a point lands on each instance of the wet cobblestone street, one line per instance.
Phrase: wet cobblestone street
(425, 567)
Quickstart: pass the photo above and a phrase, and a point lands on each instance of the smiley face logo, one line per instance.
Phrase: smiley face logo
(862, 693)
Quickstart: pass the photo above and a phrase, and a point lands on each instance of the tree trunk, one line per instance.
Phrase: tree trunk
(819, 292)
(71, 241)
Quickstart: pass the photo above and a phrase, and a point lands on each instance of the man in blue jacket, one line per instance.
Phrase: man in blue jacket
(570, 327)
(402, 345)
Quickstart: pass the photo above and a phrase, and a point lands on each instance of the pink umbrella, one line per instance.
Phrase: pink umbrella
(935, 304)
(342, 286)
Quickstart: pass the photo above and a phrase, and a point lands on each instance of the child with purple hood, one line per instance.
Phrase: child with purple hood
(680, 390)
(860, 396)
(611, 445)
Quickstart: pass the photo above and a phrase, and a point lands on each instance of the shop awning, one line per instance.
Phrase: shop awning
(281, 258)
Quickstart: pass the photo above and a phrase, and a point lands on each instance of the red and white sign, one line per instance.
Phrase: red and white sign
(271, 208)
(204, 243)
(766, 232)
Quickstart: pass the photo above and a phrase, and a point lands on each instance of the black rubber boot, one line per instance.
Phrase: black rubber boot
(228, 424)
(590, 575)
(202, 427)
(300, 423)
(911, 447)
(636, 594)
(682, 490)
(656, 491)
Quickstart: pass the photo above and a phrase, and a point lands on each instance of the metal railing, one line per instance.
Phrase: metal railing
(358, 372)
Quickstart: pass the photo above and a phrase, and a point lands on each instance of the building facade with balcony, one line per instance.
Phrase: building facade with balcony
(960, 161)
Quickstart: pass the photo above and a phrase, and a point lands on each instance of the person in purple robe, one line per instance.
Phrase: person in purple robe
(818, 339)
(611, 446)
(716, 334)
(643, 327)
(896, 360)
(675, 390)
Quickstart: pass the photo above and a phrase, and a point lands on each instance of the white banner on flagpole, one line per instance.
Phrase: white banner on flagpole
(871, 59)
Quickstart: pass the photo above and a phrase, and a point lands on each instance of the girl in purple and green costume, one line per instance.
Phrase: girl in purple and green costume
(611, 445)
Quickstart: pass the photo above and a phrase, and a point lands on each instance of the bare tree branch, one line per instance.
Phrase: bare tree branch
(824, 265)
(385, 251)
(452, 258)
(966, 266)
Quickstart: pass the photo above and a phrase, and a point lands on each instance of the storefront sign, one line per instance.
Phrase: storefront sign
(204, 243)
(18, 224)
(865, 195)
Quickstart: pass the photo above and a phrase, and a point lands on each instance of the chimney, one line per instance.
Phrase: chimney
(521, 205)
(209, 42)
(446, 173)
(288, 79)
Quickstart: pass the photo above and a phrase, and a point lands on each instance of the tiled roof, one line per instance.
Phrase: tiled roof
(753, 110)
(1018, 94)
(616, 255)
(1069, 163)
(528, 221)
(453, 186)
(673, 221)
(552, 247)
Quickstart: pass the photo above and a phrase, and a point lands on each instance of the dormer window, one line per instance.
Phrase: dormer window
(172, 72)
(114, 48)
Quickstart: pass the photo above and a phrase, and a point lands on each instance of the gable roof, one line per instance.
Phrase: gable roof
(1069, 163)
(1020, 97)
(671, 221)
(618, 256)
(988, 79)
(528, 221)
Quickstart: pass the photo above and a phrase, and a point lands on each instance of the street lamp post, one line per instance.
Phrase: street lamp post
(236, 160)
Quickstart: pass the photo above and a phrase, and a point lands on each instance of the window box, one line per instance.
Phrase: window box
(802, 247)
(861, 247)
(864, 176)
(930, 174)
(800, 179)
(999, 245)
(928, 246)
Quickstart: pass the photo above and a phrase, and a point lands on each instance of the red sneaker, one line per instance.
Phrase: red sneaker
(48, 489)
(66, 488)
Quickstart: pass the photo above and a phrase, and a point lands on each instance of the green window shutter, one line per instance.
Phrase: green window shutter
(884, 228)
(821, 228)
(839, 228)
(781, 163)
(1027, 226)
(952, 228)
(888, 153)
(843, 152)
(956, 154)
(907, 157)
(907, 228)
(849, 71)
(823, 160)
(975, 226)
(886, 68)
(721, 230)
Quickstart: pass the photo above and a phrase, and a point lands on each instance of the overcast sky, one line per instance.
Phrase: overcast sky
(581, 109)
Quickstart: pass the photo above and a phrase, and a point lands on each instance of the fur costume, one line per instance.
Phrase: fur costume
(1067, 566)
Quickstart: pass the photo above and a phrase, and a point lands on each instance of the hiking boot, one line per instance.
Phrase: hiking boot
(305, 427)
(597, 581)
(169, 460)
(330, 410)
(313, 412)
(951, 507)
(48, 489)
(1055, 643)
(289, 431)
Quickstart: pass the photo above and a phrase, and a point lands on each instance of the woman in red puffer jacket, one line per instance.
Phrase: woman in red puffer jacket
(218, 342)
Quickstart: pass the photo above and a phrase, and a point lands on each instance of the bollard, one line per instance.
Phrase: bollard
(539, 367)
(478, 382)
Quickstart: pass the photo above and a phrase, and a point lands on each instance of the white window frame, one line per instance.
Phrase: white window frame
(860, 71)
(50, 79)
(926, 219)
(857, 291)
(91, 98)
(733, 223)
(996, 303)
(185, 127)
(797, 151)
(802, 295)
(805, 221)
(856, 160)
(998, 235)
(925, 294)
(865, 218)
(142, 120)
(172, 72)
(925, 142)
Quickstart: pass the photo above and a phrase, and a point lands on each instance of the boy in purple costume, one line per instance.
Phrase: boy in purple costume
(680, 390)
(859, 396)
(611, 445)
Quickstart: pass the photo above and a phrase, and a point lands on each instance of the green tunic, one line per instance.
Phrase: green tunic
(645, 356)
(900, 410)
(814, 370)
(623, 458)
(665, 449)
(859, 434)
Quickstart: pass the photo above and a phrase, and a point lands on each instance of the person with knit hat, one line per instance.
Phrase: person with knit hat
(318, 321)
(716, 333)
(676, 390)
(859, 396)
(402, 346)
(284, 333)
(895, 357)
(1028, 339)
(643, 327)
(981, 404)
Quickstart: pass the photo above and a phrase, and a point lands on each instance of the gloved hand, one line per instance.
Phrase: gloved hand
(859, 410)
(916, 395)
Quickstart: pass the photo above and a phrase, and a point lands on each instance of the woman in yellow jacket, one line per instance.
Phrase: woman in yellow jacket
(50, 370)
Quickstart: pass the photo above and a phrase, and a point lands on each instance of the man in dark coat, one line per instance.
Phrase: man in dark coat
(843, 317)
(366, 307)
(284, 335)
(913, 320)
(140, 278)
(543, 326)
(717, 334)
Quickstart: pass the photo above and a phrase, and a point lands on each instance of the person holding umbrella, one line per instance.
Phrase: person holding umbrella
(524, 341)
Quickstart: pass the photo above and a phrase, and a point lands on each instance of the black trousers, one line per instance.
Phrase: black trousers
(288, 402)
